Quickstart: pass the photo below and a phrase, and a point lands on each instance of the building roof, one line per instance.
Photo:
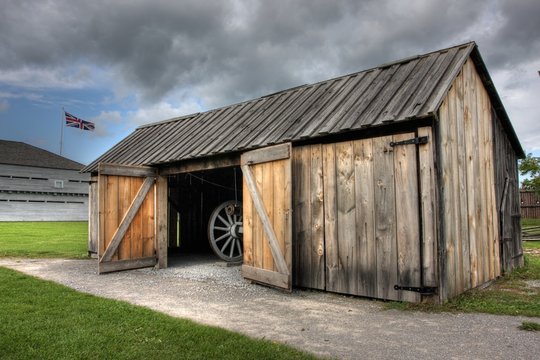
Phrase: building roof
(19, 153)
(404, 90)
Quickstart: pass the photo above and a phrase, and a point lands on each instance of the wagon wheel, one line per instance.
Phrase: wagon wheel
(225, 231)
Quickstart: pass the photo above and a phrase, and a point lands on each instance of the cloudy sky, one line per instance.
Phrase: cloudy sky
(123, 63)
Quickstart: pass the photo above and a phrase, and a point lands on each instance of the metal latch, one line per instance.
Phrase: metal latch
(423, 290)
(416, 141)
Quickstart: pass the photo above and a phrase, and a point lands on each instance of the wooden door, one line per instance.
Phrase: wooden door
(267, 201)
(376, 242)
(127, 217)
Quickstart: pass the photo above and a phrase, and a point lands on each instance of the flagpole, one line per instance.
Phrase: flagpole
(62, 130)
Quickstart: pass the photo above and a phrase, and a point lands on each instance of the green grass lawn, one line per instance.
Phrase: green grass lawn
(531, 244)
(44, 239)
(509, 295)
(530, 222)
(43, 320)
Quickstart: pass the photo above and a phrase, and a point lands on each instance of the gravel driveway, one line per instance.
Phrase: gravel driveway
(326, 324)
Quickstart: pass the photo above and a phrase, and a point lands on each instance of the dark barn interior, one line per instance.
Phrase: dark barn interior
(192, 199)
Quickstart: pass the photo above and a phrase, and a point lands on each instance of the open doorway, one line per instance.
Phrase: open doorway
(197, 199)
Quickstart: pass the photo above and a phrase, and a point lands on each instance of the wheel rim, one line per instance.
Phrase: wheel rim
(225, 232)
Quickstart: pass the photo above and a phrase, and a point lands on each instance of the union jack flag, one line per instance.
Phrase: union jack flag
(73, 121)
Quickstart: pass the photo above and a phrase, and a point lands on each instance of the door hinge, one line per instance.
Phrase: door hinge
(416, 141)
(423, 290)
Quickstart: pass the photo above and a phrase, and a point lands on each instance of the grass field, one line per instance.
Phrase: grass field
(44, 320)
(44, 239)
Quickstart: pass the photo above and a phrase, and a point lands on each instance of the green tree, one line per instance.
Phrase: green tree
(530, 166)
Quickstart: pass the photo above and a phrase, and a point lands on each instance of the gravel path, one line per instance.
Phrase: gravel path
(326, 324)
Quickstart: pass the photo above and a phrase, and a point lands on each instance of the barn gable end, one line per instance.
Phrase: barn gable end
(403, 180)
(477, 172)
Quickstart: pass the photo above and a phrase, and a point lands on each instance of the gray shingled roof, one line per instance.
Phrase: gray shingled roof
(19, 153)
(404, 90)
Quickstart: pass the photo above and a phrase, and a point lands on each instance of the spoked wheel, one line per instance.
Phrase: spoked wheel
(225, 231)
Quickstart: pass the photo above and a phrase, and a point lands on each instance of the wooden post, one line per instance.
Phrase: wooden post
(162, 221)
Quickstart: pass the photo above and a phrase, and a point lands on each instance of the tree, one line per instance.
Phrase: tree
(530, 166)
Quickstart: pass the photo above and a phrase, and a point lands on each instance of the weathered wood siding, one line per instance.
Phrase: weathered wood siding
(42, 194)
(508, 199)
(530, 204)
(308, 195)
(470, 221)
(364, 216)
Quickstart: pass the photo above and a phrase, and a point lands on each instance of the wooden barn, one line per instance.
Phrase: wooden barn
(399, 182)
(37, 185)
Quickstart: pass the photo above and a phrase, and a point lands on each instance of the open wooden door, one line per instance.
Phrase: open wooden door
(267, 203)
(127, 217)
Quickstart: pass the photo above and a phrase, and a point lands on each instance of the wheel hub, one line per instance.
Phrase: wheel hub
(237, 230)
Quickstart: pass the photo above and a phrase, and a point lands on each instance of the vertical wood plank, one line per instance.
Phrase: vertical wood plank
(317, 218)
(385, 218)
(346, 219)
(463, 248)
(281, 208)
(456, 254)
(285, 208)
(124, 201)
(447, 142)
(428, 211)
(102, 200)
(491, 204)
(267, 191)
(247, 217)
(148, 230)
(301, 273)
(93, 210)
(494, 226)
(365, 218)
(162, 231)
(472, 171)
(305, 183)
(258, 232)
(479, 183)
(477, 239)
(330, 219)
(407, 221)
(137, 247)
(111, 212)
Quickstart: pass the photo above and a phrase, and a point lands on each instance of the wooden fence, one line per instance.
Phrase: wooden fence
(530, 205)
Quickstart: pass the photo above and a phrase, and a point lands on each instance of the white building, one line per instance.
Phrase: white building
(37, 185)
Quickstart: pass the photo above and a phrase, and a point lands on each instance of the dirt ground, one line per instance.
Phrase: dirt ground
(326, 324)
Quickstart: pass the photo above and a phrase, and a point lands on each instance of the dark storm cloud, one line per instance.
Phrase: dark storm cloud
(517, 40)
(234, 50)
